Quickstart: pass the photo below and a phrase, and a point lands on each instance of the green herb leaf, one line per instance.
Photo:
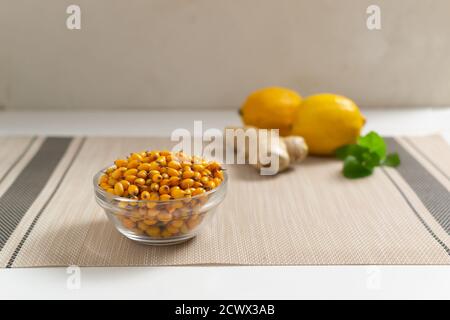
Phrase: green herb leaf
(361, 158)
(351, 149)
(374, 143)
(353, 169)
(369, 160)
(392, 160)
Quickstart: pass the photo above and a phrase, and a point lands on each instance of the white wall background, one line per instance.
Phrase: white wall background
(212, 53)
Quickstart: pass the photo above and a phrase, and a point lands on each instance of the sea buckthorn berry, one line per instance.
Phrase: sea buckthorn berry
(165, 153)
(187, 174)
(151, 205)
(198, 167)
(151, 173)
(142, 174)
(217, 181)
(105, 186)
(130, 179)
(161, 160)
(127, 223)
(125, 184)
(197, 176)
(197, 184)
(156, 178)
(154, 187)
(213, 166)
(139, 181)
(141, 225)
(154, 165)
(144, 166)
(118, 189)
(206, 172)
(174, 165)
(165, 197)
(103, 179)
(152, 213)
(130, 172)
(204, 180)
(154, 196)
(133, 190)
(177, 223)
(117, 174)
(176, 192)
(133, 164)
(145, 195)
(198, 191)
(173, 172)
(136, 156)
(174, 181)
(186, 183)
(184, 229)
(218, 174)
(210, 185)
(186, 163)
(164, 182)
(176, 205)
(120, 163)
(153, 231)
(123, 204)
(165, 189)
(150, 222)
(112, 182)
(172, 229)
(165, 233)
(110, 190)
(164, 217)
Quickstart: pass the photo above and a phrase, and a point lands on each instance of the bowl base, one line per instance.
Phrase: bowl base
(159, 242)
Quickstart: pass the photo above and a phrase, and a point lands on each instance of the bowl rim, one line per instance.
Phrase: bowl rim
(112, 197)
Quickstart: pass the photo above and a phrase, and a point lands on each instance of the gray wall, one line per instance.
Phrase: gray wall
(212, 53)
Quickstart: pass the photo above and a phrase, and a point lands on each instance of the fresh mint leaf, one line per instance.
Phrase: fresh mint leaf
(369, 159)
(361, 158)
(353, 169)
(392, 160)
(351, 149)
(364, 156)
(374, 143)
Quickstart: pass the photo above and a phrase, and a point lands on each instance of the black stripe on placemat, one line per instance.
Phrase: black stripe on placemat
(21, 155)
(413, 145)
(31, 227)
(430, 231)
(27, 186)
(434, 196)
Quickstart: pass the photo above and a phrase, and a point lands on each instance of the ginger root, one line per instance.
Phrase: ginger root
(288, 151)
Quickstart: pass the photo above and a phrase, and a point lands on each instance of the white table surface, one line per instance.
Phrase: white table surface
(330, 282)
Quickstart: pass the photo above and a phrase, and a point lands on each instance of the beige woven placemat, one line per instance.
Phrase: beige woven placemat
(310, 215)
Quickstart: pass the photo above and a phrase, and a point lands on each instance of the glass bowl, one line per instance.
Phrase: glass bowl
(160, 222)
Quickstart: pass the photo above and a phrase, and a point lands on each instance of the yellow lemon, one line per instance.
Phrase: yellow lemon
(271, 108)
(327, 122)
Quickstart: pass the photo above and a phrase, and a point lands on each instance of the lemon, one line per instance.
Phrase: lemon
(327, 122)
(271, 108)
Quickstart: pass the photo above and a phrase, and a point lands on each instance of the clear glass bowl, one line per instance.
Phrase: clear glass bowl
(160, 222)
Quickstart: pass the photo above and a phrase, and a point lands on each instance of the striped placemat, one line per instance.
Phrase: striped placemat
(310, 215)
